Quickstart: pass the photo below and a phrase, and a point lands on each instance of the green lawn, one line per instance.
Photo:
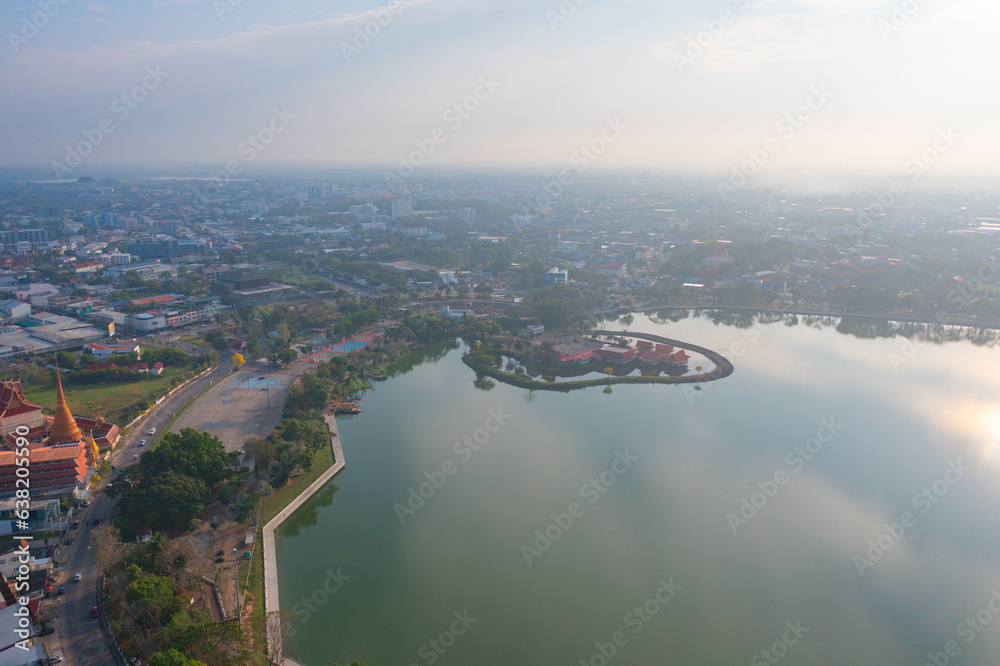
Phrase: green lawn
(111, 400)
(273, 503)
(277, 500)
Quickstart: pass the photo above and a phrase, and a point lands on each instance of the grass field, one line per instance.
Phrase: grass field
(113, 401)
(277, 500)
(273, 503)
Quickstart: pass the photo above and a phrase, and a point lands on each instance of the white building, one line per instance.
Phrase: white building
(363, 209)
(37, 294)
(402, 208)
(146, 322)
(102, 352)
(14, 310)
(11, 655)
(116, 259)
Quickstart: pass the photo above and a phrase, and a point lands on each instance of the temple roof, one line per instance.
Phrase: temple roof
(12, 400)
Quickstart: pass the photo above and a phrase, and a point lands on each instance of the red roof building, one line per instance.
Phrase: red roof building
(16, 410)
(150, 300)
(51, 467)
(579, 357)
(618, 354)
(719, 256)
(612, 268)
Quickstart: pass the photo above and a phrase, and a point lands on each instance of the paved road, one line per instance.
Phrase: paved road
(80, 635)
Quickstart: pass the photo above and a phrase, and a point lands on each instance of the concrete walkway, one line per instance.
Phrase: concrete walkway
(271, 601)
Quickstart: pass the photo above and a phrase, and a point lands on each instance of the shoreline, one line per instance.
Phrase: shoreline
(723, 368)
(902, 318)
(270, 573)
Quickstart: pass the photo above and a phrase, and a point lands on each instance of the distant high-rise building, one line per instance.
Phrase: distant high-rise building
(320, 191)
(402, 208)
(555, 276)
(33, 236)
(155, 249)
(467, 214)
(169, 227)
(363, 209)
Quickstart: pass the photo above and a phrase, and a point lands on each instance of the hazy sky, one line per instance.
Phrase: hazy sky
(564, 71)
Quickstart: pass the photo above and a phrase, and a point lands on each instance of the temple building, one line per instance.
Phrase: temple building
(60, 454)
(16, 410)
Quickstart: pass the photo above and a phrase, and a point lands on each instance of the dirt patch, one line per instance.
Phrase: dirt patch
(245, 404)
(204, 546)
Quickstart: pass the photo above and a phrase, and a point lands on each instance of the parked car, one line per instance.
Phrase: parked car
(69, 541)
(62, 588)
(46, 631)
(77, 577)
(93, 611)
(76, 523)
(97, 521)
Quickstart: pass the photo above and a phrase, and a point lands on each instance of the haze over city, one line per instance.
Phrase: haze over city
(476, 333)
(696, 85)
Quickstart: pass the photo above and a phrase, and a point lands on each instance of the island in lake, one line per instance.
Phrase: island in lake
(569, 361)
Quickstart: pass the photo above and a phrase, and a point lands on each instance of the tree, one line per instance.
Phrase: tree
(163, 503)
(238, 360)
(155, 595)
(108, 549)
(66, 360)
(196, 454)
(173, 658)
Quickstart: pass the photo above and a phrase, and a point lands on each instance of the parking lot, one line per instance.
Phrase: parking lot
(242, 405)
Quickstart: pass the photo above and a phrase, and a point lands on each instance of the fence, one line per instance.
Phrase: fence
(116, 652)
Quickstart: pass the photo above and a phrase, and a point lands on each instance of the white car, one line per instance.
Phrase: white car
(152, 431)
(77, 577)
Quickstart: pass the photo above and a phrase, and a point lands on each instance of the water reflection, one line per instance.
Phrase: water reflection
(308, 514)
(794, 559)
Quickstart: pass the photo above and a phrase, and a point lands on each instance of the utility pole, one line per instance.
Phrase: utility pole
(236, 575)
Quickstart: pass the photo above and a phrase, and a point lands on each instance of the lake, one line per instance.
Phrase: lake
(834, 501)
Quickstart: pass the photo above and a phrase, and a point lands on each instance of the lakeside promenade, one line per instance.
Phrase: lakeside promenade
(271, 599)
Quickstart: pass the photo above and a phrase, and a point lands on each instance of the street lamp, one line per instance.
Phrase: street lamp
(236, 575)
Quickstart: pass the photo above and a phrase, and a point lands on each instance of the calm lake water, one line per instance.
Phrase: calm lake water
(833, 448)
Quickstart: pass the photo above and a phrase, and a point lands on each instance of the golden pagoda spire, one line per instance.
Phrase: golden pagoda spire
(95, 451)
(64, 427)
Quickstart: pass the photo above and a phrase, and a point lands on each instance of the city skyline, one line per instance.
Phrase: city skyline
(795, 85)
